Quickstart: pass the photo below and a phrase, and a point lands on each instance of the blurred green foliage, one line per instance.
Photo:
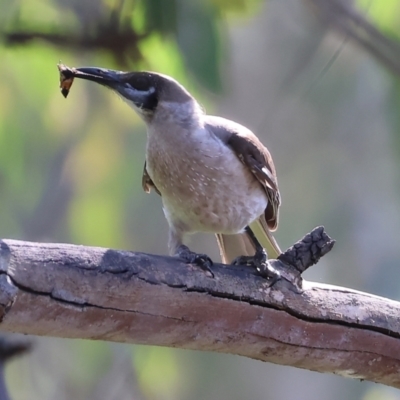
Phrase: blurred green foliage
(160, 366)
(70, 170)
(384, 14)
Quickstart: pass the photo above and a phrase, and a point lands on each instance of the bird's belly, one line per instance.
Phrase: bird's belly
(212, 193)
(224, 214)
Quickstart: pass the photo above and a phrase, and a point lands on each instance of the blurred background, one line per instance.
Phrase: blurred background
(317, 80)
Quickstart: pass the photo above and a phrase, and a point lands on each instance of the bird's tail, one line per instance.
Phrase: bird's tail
(265, 237)
(232, 246)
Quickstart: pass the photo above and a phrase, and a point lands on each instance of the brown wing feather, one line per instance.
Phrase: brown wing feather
(252, 153)
(257, 158)
(147, 183)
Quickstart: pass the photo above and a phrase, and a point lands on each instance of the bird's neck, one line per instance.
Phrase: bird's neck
(172, 117)
(174, 134)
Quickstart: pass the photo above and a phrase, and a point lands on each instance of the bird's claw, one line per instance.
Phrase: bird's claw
(256, 261)
(190, 257)
(267, 271)
(244, 260)
(260, 262)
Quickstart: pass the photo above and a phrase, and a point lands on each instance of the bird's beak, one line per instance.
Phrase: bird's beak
(106, 77)
(142, 100)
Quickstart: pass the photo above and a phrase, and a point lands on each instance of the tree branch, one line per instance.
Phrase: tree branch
(343, 17)
(95, 293)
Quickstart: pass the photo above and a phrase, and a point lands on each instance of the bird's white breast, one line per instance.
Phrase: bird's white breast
(203, 184)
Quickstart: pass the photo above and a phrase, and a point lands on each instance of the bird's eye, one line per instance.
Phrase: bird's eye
(141, 83)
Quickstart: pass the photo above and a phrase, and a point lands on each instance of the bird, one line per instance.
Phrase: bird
(213, 175)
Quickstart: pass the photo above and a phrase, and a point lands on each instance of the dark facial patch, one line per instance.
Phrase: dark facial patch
(147, 84)
(141, 81)
(149, 102)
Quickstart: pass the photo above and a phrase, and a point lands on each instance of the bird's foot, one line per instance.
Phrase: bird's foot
(260, 262)
(190, 257)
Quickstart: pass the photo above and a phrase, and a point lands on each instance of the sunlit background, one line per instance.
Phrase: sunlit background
(318, 87)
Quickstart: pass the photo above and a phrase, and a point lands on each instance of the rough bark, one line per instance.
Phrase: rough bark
(95, 293)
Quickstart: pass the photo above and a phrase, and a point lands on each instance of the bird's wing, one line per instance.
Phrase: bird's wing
(147, 183)
(253, 154)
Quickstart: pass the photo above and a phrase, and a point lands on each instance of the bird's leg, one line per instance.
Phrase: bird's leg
(190, 257)
(178, 249)
(259, 260)
(260, 257)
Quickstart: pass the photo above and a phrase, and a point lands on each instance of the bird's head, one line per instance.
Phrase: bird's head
(146, 92)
